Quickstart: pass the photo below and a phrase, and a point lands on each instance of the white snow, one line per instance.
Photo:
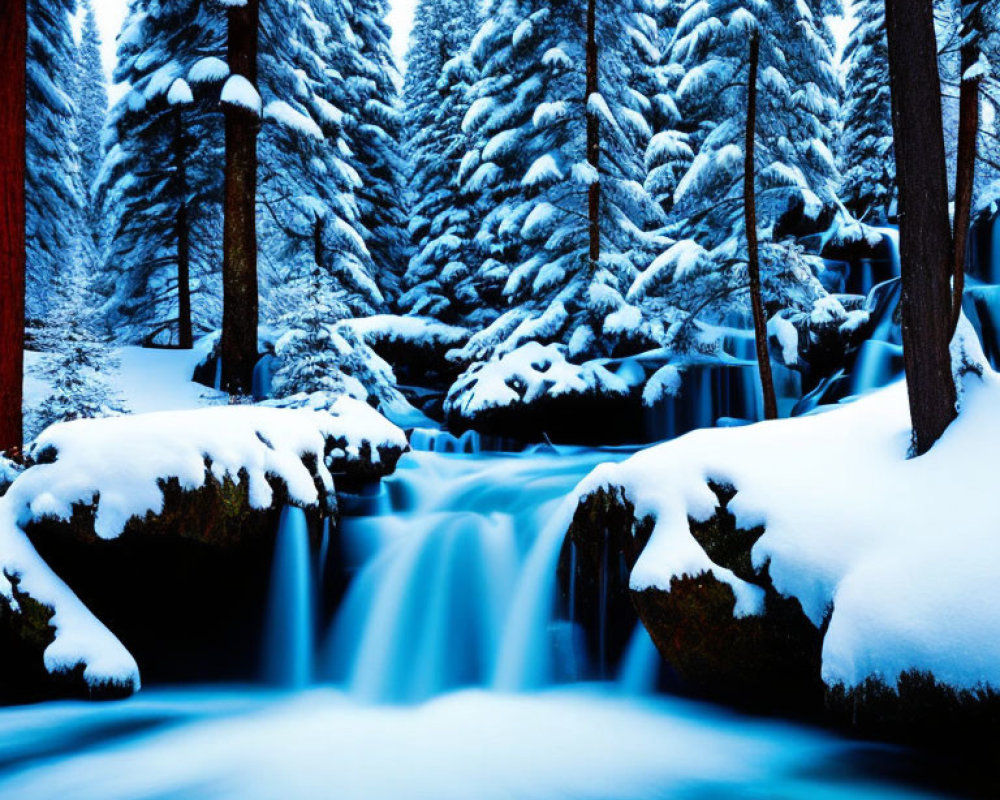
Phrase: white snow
(788, 337)
(284, 114)
(418, 330)
(238, 91)
(119, 463)
(525, 375)
(208, 69)
(903, 553)
(180, 93)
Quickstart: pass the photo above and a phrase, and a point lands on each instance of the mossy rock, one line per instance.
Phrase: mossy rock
(24, 636)
(186, 589)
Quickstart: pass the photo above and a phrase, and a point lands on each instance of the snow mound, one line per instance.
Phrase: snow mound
(524, 375)
(902, 555)
(422, 331)
(119, 464)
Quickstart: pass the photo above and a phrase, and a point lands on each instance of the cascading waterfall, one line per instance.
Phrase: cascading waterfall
(290, 627)
(453, 579)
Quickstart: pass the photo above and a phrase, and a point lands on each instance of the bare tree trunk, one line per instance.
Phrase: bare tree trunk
(13, 43)
(925, 242)
(593, 138)
(753, 248)
(185, 334)
(965, 171)
(239, 269)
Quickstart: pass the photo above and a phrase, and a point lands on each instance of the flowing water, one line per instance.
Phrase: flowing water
(442, 675)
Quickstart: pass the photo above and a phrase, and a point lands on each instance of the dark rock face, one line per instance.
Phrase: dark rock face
(185, 589)
(600, 549)
(587, 419)
(768, 663)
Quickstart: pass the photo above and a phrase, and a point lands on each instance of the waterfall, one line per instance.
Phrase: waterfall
(454, 584)
(430, 440)
(640, 669)
(289, 632)
(263, 372)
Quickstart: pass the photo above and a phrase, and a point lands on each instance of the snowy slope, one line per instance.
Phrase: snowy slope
(904, 554)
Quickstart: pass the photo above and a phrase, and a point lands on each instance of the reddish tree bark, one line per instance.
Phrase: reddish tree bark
(925, 241)
(13, 43)
(753, 246)
(239, 245)
(965, 168)
(593, 138)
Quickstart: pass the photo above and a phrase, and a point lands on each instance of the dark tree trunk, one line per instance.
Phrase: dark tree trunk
(13, 43)
(185, 334)
(593, 139)
(965, 169)
(925, 243)
(239, 269)
(753, 248)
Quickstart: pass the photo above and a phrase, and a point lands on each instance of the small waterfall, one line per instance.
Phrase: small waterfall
(289, 635)
(640, 668)
(455, 585)
(263, 373)
(430, 440)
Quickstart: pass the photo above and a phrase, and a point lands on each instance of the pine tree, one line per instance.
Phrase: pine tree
(375, 136)
(440, 277)
(91, 98)
(76, 360)
(867, 159)
(705, 272)
(53, 184)
(550, 124)
(160, 184)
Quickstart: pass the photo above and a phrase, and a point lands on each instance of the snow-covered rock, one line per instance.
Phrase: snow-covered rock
(116, 474)
(892, 560)
(534, 390)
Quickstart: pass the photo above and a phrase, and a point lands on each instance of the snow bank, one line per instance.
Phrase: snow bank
(119, 464)
(525, 375)
(902, 554)
(422, 331)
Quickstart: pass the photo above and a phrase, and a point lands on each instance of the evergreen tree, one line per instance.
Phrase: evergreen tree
(534, 164)
(440, 277)
(75, 358)
(867, 159)
(160, 185)
(375, 136)
(53, 185)
(705, 272)
(91, 97)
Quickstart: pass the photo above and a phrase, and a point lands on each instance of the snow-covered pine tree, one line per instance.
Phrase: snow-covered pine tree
(161, 181)
(375, 136)
(53, 186)
(532, 172)
(75, 358)
(705, 272)
(439, 281)
(91, 98)
(308, 209)
(866, 155)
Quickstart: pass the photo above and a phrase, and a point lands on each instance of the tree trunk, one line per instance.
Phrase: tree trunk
(185, 334)
(753, 249)
(925, 244)
(965, 171)
(593, 139)
(13, 43)
(239, 269)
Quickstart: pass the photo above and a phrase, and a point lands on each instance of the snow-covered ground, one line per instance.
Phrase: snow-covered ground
(146, 380)
(903, 554)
